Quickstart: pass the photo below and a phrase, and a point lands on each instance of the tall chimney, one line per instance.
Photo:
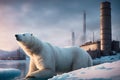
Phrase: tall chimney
(84, 26)
(105, 27)
(73, 38)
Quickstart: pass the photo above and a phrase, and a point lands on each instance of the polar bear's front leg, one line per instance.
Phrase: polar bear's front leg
(32, 68)
(43, 74)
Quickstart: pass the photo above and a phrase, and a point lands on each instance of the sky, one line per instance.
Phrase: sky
(53, 20)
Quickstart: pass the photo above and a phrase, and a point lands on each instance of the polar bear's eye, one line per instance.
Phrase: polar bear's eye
(23, 34)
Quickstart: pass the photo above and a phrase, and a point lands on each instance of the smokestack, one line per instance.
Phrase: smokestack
(84, 26)
(105, 27)
(93, 36)
(73, 38)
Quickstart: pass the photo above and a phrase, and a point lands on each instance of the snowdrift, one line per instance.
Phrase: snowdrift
(9, 74)
(106, 71)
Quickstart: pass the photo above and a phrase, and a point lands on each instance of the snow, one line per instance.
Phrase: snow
(106, 59)
(108, 70)
(9, 74)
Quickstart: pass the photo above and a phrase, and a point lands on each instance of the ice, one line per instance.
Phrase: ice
(105, 71)
(106, 59)
(61, 77)
(9, 74)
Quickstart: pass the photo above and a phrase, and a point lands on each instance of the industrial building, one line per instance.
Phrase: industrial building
(105, 46)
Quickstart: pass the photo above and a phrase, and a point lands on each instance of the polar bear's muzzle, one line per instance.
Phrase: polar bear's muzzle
(17, 37)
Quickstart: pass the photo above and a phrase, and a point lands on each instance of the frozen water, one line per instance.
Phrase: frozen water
(21, 65)
(9, 74)
(106, 59)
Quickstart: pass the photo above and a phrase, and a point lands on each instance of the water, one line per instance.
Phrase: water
(22, 65)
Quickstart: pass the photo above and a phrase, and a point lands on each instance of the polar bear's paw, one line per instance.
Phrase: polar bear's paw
(34, 78)
(30, 78)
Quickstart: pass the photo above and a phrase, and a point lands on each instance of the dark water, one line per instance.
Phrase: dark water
(22, 65)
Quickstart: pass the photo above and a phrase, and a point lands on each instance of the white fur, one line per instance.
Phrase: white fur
(47, 60)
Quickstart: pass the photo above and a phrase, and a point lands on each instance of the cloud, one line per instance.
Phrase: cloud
(52, 20)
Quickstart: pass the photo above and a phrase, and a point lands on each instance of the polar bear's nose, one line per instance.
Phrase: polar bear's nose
(16, 35)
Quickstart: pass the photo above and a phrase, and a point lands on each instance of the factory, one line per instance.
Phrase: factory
(105, 46)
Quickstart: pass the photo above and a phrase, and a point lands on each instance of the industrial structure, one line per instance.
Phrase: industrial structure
(105, 46)
(73, 38)
(84, 26)
(105, 27)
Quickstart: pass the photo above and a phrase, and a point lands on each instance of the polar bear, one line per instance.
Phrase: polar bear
(47, 60)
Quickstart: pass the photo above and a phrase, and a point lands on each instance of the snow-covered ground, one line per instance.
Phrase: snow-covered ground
(109, 70)
(9, 74)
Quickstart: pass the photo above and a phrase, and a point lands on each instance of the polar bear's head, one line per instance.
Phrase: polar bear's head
(24, 38)
(29, 43)
(26, 41)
